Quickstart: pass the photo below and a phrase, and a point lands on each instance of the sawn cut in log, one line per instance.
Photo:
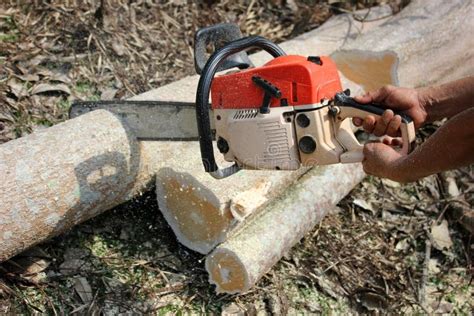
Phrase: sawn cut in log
(235, 265)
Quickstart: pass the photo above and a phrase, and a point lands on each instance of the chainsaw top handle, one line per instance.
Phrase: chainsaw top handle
(217, 36)
(203, 92)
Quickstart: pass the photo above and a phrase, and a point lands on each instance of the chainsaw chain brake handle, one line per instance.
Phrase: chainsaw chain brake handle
(218, 35)
(347, 107)
(214, 64)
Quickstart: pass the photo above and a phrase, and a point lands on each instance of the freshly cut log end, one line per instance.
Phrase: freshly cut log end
(192, 210)
(227, 272)
(371, 70)
(203, 211)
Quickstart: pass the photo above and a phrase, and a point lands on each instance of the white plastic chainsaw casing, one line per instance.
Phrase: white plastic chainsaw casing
(271, 141)
(259, 141)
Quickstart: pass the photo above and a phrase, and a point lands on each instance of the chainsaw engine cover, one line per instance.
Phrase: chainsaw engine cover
(301, 80)
(266, 138)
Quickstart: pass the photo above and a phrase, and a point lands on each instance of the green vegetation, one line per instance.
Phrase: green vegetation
(8, 37)
(9, 31)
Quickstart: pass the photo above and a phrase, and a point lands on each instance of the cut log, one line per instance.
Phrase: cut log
(61, 176)
(235, 265)
(241, 260)
(203, 211)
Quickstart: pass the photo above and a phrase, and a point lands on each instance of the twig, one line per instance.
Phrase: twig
(424, 278)
(357, 17)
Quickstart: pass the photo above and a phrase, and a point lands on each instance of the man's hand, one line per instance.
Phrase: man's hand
(450, 147)
(382, 160)
(408, 101)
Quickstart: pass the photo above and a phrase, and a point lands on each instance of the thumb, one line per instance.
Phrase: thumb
(377, 96)
(365, 98)
(374, 151)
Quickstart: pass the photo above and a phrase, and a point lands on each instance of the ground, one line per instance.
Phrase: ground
(387, 248)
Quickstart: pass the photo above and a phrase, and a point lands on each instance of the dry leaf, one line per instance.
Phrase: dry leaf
(433, 266)
(440, 236)
(72, 266)
(452, 187)
(118, 48)
(59, 77)
(46, 87)
(403, 245)
(443, 308)
(232, 310)
(84, 290)
(372, 300)
(363, 204)
(6, 117)
(17, 89)
(108, 94)
(28, 77)
(30, 265)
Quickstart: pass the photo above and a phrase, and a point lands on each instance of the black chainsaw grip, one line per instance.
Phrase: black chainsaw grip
(342, 99)
(204, 89)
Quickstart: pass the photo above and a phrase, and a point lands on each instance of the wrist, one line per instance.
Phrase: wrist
(404, 171)
(426, 101)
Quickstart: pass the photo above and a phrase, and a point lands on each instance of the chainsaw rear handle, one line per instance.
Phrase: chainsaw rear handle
(349, 108)
(203, 91)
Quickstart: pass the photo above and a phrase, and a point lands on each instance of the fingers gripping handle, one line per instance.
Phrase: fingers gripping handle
(349, 108)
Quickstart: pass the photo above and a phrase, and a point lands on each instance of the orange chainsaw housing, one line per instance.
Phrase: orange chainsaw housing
(300, 81)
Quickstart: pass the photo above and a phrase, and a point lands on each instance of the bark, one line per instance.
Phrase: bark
(427, 29)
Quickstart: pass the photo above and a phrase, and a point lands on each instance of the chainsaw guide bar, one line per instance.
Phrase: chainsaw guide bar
(149, 120)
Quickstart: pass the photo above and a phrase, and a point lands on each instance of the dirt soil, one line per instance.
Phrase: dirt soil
(388, 248)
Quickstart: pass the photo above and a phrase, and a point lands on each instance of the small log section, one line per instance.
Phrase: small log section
(235, 265)
(239, 262)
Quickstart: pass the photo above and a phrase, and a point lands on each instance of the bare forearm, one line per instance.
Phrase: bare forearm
(450, 147)
(449, 99)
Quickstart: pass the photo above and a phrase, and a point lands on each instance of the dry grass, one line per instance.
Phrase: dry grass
(372, 256)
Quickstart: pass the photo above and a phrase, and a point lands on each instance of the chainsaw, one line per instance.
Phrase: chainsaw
(290, 112)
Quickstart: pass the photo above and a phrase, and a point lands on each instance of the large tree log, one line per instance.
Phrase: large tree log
(430, 29)
(56, 178)
(203, 211)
